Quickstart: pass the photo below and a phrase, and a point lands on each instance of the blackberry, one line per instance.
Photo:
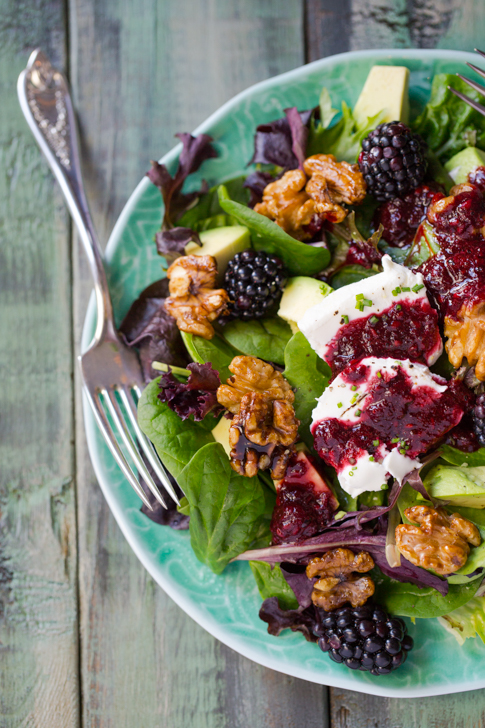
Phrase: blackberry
(366, 638)
(392, 160)
(479, 419)
(254, 281)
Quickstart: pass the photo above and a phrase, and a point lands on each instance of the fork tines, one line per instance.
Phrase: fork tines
(474, 85)
(106, 401)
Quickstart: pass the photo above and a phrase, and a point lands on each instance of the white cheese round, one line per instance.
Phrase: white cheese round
(321, 323)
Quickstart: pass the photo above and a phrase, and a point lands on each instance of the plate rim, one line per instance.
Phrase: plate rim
(210, 625)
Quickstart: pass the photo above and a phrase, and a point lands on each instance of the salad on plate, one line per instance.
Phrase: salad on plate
(315, 367)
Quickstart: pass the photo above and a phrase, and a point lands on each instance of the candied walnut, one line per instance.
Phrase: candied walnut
(286, 202)
(193, 301)
(438, 207)
(252, 375)
(439, 542)
(332, 183)
(339, 583)
(262, 435)
(466, 338)
(293, 200)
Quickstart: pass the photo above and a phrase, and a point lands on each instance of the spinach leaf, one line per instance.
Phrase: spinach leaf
(208, 207)
(344, 138)
(226, 509)
(175, 440)
(272, 583)
(264, 338)
(219, 352)
(300, 259)
(351, 274)
(408, 600)
(458, 457)
(308, 375)
(446, 120)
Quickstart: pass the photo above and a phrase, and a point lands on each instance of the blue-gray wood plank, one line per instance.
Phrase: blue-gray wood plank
(86, 637)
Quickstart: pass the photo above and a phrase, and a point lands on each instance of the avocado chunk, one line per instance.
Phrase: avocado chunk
(460, 486)
(466, 161)
(223, 243)
(300, 294)
(386, 89)
(220, 433)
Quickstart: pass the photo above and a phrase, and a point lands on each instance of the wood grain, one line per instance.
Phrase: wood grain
(142, 71)
(39, 683)
(398, 24)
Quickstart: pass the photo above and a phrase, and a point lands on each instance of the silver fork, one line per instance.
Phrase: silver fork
(111, 373)
(473, 84)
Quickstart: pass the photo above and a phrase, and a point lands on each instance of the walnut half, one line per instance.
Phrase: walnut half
(339, 583)
(261, 435)
(193, 302)
(439, 542)
(252, 375)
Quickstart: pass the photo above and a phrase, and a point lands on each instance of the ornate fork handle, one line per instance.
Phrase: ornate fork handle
(46, 104)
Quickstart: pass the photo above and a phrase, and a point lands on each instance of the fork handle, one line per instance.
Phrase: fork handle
(46, 103)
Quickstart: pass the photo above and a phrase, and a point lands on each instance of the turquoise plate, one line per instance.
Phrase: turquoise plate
(227, 606)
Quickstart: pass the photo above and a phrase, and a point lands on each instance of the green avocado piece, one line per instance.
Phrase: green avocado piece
(223, 243)
(300, 294)
(466, 161)
(461, 486)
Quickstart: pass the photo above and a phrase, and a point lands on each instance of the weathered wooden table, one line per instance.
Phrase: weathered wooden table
(86, 637)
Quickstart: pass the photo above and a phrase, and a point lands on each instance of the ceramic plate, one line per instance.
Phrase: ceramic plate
(227, 606)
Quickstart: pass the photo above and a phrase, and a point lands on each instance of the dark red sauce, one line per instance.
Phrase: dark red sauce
(406, 330)
(303, 508)
(400, 218)
(477, 178)
(456, 274)
(419, 418)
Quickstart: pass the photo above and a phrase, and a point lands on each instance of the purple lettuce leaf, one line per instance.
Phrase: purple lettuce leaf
(299, 134)
(195, 150)
(196, 397)
(299, 583)
(256, 183)
(297, 620)
(408, 572)
(148, 326)
(171, 243)
(274, 143)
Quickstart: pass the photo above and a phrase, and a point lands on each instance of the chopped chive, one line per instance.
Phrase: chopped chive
(417, 287)
(359, 296)
(379, 374)
(384, 486)
(371, 458)
(354, 399)
(353, 388)
(398, 307)
(350, 472)
(345, 319)
(375, 442)
(374, 320)
(395, 439)
(396, 291)
(340, 404)
(402, 451)
(358, 413)
(405, 289)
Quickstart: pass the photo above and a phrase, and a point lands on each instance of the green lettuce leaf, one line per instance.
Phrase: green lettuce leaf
(175, 440)
(208, 213)
(308, 375)
(272, 583)
(217, 351)
(264, 338)
(467, 621)
(227, 510)
(446, 121)
(351, 274)
(343, 139)
(458, 457)
(299, 259)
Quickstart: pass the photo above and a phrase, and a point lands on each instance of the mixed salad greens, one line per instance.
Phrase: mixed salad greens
(315, 367)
